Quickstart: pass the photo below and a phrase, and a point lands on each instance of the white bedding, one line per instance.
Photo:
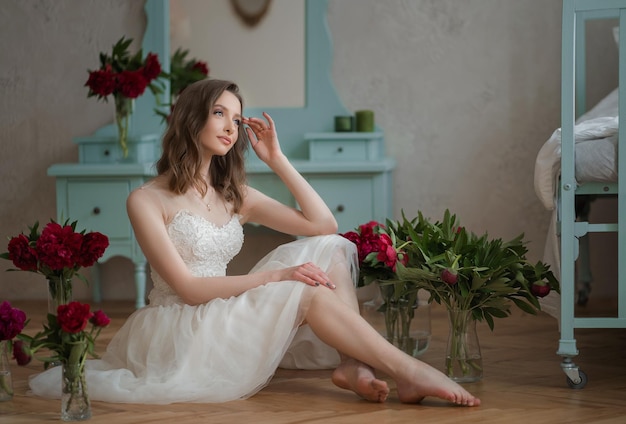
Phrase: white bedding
(595, 154)
(595, 160)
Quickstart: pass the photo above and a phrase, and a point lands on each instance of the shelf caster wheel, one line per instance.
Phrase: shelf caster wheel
(582, 383)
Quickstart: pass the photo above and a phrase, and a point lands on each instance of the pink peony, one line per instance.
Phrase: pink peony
(12, 321)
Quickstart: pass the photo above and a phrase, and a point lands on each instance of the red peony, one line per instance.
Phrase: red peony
(123, 74)
(57, 253)
(19, 354)
(73, 317)
(101, 82)
(152, 67)
(386, 251)
(92, 248)
(449, 276)
(540, 289)
(100, 319)
(22, 254)
(65, 335)
(58, 246)
(201, 66)
(377, 252)
(131, 84)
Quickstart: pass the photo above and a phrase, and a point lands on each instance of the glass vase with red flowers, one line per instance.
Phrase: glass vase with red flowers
(58, 253)
(125, 76)
(406, 317)
(67, 336)
(12, 322)
(477, 278)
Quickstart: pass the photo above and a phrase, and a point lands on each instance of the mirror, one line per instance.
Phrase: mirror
(259, 58)
(321, 102)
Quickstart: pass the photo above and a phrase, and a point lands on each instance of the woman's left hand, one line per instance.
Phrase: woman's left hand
(263, 137)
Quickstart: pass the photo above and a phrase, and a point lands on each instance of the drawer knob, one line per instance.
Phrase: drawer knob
(96, 211)
(341, 208)
(107, 152)
(339, 149)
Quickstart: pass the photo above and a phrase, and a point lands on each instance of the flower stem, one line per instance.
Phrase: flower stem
(123, 110)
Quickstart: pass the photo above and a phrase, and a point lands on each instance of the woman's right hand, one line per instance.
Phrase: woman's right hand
(307, 273)
(263, 138)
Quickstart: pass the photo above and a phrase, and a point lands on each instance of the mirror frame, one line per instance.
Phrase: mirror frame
(321, 100)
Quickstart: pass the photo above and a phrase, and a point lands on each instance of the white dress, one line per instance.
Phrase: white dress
(225, 349)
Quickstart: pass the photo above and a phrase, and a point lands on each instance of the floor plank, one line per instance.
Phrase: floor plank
(523, 382)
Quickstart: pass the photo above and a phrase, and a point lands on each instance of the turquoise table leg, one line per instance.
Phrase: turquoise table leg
(140, 284)
(95, 283)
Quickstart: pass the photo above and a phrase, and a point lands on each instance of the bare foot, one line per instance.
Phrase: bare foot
(360, 378)
(428, 381)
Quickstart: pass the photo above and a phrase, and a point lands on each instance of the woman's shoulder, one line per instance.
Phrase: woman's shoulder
(147, 190)
(152, 193)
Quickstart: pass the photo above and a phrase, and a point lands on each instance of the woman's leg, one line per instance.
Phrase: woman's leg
(352, 374)
(343, 328)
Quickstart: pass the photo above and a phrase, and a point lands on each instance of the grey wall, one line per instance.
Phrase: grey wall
(466, 92)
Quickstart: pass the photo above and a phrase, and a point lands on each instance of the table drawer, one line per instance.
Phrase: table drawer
(351, 209)
(341, 150)
(345, 147)
(112, 153)
(100, 206)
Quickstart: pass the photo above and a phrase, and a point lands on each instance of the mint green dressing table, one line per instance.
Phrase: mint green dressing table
(349, 169)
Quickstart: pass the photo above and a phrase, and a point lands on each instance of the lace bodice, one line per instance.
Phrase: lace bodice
(206, 248)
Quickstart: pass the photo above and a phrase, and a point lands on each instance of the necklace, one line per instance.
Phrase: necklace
(202, 200)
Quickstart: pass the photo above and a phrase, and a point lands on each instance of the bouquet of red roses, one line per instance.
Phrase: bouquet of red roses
(57, 253)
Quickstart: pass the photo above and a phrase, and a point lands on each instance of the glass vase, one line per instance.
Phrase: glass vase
(407, 321)
(123, 111)
(75, 404)
(464, 362)
(6, 383)
(59, 293)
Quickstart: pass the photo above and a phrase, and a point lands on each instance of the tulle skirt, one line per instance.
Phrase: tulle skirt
(223, 350)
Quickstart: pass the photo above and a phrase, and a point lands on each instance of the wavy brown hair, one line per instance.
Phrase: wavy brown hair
(182, 152)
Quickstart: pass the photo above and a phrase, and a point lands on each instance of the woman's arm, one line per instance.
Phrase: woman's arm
(148, 221)
(313, 218)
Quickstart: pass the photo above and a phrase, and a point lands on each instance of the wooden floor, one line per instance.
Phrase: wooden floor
(523, 383)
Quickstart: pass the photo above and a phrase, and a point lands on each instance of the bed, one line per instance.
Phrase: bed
(578, 164)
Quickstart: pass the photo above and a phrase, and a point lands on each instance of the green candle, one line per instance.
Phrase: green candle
(344, 123)
(364, 120)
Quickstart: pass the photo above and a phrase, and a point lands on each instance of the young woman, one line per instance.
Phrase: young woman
(208, 337)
